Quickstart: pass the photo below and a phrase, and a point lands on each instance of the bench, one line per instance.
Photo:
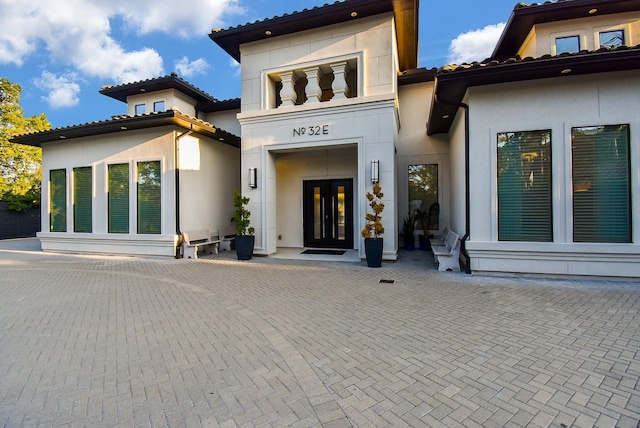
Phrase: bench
(196, 239)
(442, 240)
(448, 256)
(226, 234)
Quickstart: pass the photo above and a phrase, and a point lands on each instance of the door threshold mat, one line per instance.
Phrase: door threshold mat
(325, 252)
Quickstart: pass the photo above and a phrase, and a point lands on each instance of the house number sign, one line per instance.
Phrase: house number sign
(312, 131)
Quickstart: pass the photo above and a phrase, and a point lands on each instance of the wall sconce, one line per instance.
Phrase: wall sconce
(375, 171)
(253, 178)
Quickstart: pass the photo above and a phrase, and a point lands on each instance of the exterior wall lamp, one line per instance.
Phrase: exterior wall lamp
(253, 178)
(375, 171)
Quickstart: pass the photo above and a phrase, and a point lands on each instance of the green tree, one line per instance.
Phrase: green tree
(20, 166)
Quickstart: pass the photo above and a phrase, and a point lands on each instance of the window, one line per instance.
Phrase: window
(611, 39)
(149, 209)
(569, 44)
(524, 186)
(423, 194)
(601, 184)
(141, 108)
(82, 199)
(158, 106)
(119, 198)
(58, 200)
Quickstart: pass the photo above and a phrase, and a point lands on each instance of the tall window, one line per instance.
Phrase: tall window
(149, 210)
(423, 193)
(524, 186)
(58, 200)
(601, 184)
(611, 39)
(119, 198)
(82, 199)
(569, 44)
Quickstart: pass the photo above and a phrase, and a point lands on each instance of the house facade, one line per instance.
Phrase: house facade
(531, 156)
(132, 184)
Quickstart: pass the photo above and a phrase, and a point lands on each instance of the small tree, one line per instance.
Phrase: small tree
(20, 166)
(374, 228)
(242, 216)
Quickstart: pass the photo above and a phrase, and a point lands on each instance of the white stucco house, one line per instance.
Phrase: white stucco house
(532, 155)
(133, 183)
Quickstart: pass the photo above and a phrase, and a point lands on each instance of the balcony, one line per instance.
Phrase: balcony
(313, 84)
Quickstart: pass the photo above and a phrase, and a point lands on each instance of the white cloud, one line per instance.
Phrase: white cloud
(186, 68)
(63, 90)
(235, 65)
(196, 18)
(77, 33)
(475, 45)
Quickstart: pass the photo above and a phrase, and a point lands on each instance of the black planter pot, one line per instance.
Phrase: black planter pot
(409, 244)
(373, 251)
(425, 244)
(244, 246)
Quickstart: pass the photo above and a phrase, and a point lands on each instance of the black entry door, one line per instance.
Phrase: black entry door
(328, 213)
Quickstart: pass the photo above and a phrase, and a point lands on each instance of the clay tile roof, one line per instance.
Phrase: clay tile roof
(123, 123)
(172, 81)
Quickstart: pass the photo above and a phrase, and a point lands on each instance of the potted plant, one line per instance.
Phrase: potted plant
(408, 229)
(245, 239)
(373, 228)
(422, 217)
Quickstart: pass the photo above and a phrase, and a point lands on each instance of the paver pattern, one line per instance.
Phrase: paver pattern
(135, 341)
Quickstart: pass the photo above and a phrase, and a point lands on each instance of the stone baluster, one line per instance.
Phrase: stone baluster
(288, 92)
(339, 86)
(313, 89)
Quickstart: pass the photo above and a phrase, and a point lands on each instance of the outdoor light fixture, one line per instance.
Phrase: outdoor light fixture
(375, 171)
(253, 178)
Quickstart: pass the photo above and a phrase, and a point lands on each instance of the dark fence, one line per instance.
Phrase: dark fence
(18, 224)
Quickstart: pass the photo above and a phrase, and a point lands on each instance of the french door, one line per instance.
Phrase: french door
(328, 213)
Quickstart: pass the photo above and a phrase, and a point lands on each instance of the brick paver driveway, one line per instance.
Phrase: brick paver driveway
(106, 341)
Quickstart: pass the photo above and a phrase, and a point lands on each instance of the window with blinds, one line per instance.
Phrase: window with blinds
(149, 193)
(82, 199)
(58, 200)
(601, 183)
(524, 186)
(119, 198)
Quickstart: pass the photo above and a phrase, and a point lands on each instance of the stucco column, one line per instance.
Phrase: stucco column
(313, 90)
(339, 84)
(288, 92)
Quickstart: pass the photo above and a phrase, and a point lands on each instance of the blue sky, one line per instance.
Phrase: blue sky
(62, 52)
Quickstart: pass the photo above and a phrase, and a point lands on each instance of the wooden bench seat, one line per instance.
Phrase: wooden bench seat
(199, 239)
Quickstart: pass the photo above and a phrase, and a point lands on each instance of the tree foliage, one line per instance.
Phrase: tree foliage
(20, 166)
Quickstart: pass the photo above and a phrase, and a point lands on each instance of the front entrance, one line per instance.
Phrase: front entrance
(328, 213)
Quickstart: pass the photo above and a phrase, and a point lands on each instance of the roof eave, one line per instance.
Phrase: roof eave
(405, 12)
(126, 124)
(525, 17)
(121, 92)
(452, 86)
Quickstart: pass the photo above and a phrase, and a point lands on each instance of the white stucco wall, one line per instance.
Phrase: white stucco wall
(557, 104)
(206, 189)
(370, 40)
(541, 40)
(170, 97)
(292, 169)
(371, 127)
(225, 120)
(99, 152)
(415, 147)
